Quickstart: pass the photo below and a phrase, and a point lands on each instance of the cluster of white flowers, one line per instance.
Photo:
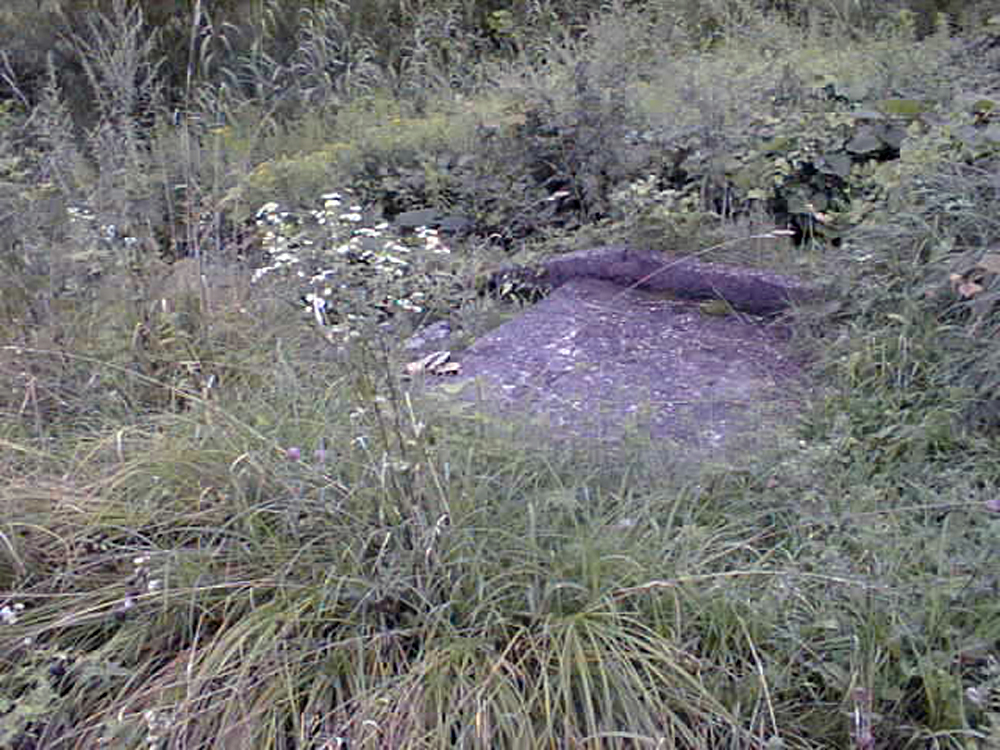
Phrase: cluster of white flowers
(279, 238)
(141, 572)
(9, 613)
(335, 230)
(80, 214)
(83, 218)
(159, 722)
(346, 268)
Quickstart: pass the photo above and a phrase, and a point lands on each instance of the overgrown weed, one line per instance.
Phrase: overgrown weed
(223, 529)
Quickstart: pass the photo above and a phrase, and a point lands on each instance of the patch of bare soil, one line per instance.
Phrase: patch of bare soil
(612, 347)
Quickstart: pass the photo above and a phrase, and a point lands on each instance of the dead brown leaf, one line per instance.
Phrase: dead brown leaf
(435, 363)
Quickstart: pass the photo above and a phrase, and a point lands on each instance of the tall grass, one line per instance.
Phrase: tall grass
(224, 526)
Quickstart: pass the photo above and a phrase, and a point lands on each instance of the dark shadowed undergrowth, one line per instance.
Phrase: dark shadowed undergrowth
(225, 522)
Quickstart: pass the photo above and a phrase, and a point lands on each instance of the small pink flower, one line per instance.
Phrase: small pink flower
(993, 505)
(293, 454)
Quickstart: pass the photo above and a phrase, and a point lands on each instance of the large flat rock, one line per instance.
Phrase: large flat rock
(597, 357)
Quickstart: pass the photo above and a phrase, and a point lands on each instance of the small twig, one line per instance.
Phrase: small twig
(8, 76)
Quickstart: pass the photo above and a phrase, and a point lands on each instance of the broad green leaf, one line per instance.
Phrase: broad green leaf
(903, 107)
(715, 307)
(781, 143)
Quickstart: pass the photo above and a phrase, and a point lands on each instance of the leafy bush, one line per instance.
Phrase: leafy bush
(939, 243)
(351, 275)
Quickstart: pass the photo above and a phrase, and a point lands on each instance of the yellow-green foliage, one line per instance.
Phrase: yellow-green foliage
(378, 127)
(326, 156)
(297, 177)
